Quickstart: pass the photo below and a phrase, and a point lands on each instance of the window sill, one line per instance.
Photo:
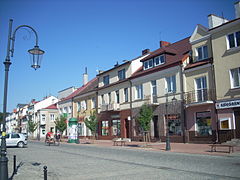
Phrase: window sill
(233, 49)
(235, 89)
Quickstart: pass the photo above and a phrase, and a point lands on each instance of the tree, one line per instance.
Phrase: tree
(61, 124)
(144, 119)
(32, 126)
(92, 123)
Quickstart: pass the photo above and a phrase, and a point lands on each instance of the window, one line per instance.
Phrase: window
(15, 136)
(148, 64)
(106, 80)
(93, 102)
(78, 106)
(139, 91)
(52, 117)
(171, 84)
(103, 101)
(159, 60)
(83, 105)
(225, 124)
(233, 40)
(235, 78)
(117, 96)
(70, 109)
(201, 89)
(203, 123)
(174, 124)
(154, 91)
(105, 128)
(202, 52)
(116, 128)
(109, 98)
(121, 74)
(126, 94)
(43, 117)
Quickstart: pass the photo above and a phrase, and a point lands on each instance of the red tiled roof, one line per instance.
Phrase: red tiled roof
(53, 106)
(79, 90)
(175, 54)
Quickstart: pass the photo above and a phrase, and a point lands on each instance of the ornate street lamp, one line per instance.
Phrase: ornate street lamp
(36, 54)
(168, 147)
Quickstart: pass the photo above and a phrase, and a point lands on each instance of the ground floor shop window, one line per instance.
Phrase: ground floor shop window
(81, 129)
(174, 124)
(203, 123)
(105, 127)
(225, 124)
(116, 127)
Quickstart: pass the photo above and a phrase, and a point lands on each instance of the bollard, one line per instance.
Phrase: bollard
(45, 172)
(14, 165)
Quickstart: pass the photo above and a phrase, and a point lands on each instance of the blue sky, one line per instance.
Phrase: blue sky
(92, 33)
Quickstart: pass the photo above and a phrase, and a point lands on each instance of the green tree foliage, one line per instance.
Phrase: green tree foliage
(144, 119)
(92, 123)
(61, 124)
(32, 126)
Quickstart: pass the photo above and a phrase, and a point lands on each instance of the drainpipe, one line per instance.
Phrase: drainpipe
(214, 92)
(131, 123)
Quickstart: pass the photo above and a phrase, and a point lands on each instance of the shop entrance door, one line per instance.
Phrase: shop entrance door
(156, 127)
(237, 121)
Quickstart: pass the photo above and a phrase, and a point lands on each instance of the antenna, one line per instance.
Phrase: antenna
(85, 70)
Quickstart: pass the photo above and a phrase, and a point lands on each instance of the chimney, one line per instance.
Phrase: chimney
(85, 77)
(214, 21)
(164, 44)
(237, 9)
(145, 51)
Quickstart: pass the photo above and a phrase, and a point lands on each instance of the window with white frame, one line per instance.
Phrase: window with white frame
(117, 96)
(148, 64)
(70, 109)
(83, 105)
(235, 77)
(224, 123)
(171, 84)
(43, 118)
(93, 102)
(103, 100)
(159, 60)
(106, 80)
(78, 106)
(154, 91)
(201, 89)
(52, 117)
(139, 91)
(121, 74)
(126, 94)
(109, 98)
(202, 53)
(233, 40)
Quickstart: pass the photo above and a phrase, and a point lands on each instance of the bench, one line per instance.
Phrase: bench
(214, 147)
(117, 141)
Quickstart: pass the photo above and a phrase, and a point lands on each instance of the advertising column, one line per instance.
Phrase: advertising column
(72, 130)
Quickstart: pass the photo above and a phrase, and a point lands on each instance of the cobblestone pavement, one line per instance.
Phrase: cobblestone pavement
(137, 160)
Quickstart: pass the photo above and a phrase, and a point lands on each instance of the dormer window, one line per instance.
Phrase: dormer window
(106, 80)
(121, 74)
(202, 53)
(148, 64)
(159, 60)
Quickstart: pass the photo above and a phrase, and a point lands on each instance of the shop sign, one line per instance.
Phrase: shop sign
(228, 104)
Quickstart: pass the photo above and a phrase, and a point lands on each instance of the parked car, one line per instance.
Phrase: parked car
(15, 139)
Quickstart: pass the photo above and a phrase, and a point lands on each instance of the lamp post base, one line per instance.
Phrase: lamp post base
(4, 168)
(168, 147)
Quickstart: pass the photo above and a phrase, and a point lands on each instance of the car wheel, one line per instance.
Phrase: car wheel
(20, 144)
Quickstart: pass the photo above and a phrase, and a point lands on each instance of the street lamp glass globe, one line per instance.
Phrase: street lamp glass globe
(36, 57)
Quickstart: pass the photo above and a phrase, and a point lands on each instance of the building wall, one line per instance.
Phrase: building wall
(224, 60)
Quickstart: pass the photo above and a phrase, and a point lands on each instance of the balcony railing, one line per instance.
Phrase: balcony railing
(201, 95)
(110, 107)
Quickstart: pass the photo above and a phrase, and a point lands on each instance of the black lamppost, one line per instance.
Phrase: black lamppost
(168, 147)
(36, 59)
(77, 129)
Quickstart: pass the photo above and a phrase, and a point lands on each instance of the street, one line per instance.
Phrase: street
(87, 161)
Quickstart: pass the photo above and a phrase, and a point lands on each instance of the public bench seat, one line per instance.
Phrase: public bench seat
(229, 146)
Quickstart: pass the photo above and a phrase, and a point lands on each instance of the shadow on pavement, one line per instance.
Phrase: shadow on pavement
(19, 165)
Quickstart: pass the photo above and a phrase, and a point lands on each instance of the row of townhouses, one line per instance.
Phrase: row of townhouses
(192, 85)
